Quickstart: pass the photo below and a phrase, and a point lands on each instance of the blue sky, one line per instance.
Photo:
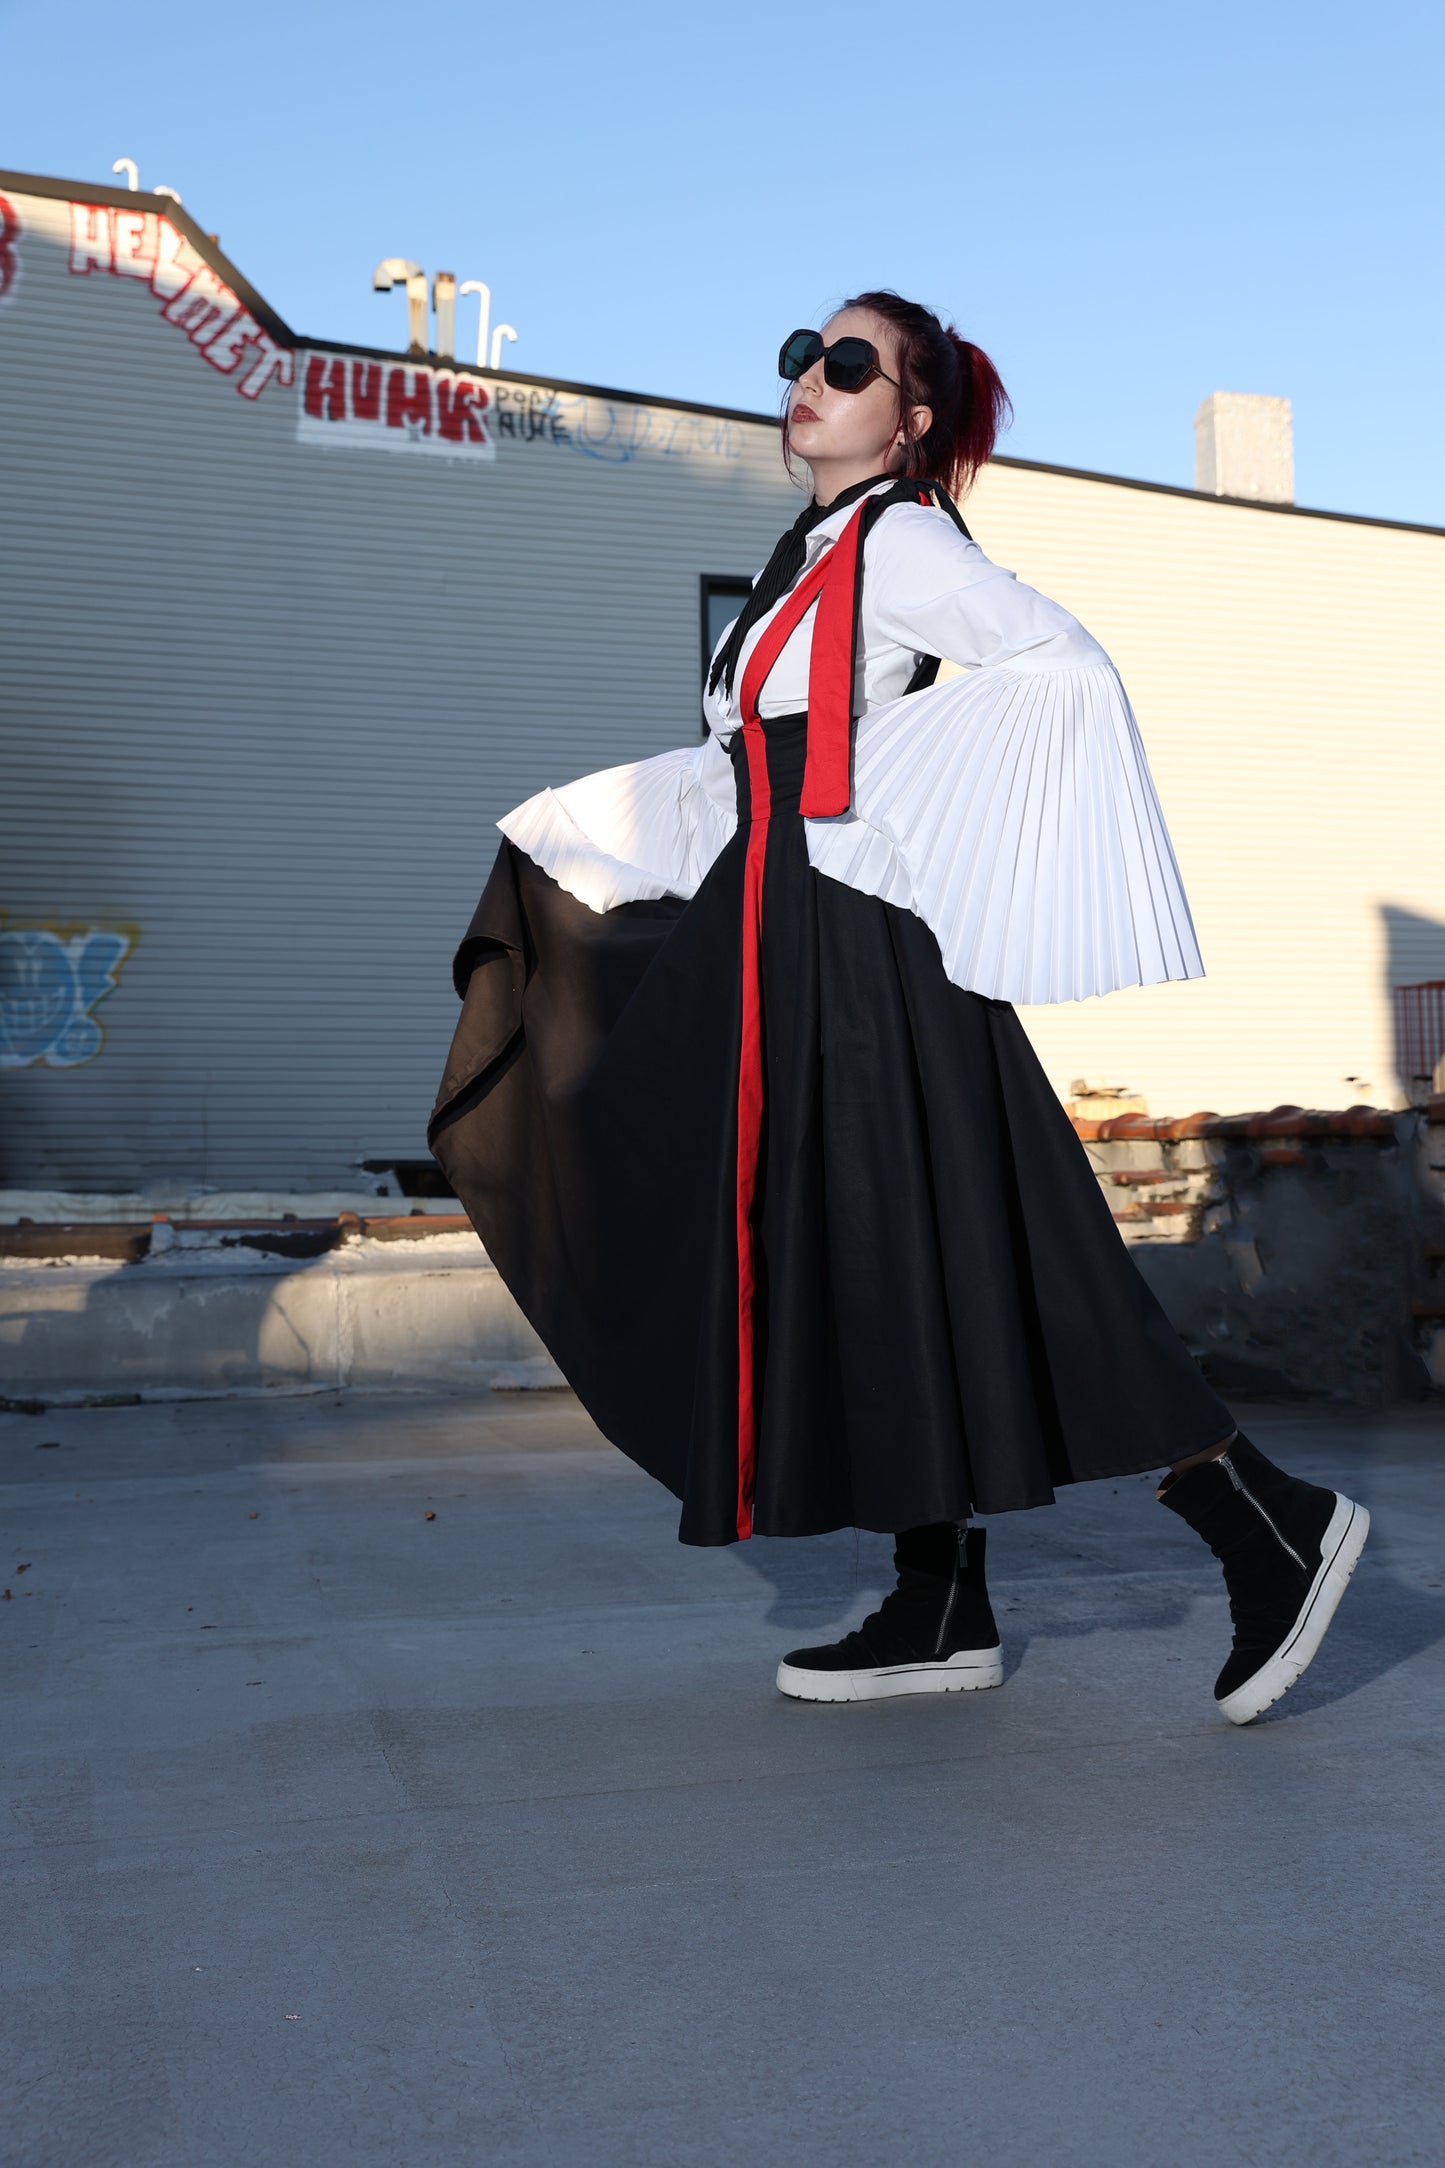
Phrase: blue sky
(1130, 206)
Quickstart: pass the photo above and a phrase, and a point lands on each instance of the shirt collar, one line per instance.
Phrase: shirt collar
(841, 510)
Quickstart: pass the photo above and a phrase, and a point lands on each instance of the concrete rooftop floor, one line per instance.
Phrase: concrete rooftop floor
(338, 1834)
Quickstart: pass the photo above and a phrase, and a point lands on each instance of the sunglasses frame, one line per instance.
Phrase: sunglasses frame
(824, 354)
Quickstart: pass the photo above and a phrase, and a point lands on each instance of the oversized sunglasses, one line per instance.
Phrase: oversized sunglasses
(848, 364)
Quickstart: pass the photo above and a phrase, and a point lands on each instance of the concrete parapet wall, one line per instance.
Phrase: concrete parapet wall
(207, 1318)
(1297, 1251)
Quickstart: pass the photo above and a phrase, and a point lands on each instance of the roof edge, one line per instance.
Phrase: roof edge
(39, 184)
(1205, 496)
(305, 344)
(141, 199)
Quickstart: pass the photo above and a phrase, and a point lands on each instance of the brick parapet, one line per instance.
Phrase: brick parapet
(1167, 1179)
(1316, 1122)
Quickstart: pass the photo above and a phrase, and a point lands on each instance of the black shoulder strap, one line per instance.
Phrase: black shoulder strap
(946, 504)
(920, 492)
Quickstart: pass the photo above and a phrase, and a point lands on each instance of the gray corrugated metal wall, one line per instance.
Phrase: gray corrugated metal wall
(264, 701)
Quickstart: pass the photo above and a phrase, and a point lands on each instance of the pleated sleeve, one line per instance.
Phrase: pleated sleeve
(1012, 807)
(629, 834)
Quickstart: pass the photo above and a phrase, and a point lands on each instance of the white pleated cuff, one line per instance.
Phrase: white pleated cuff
(1012, 810)
(630, 834)
(1025, 823)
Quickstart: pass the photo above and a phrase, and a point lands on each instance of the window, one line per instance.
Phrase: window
(722, 598)
(1420, 1035)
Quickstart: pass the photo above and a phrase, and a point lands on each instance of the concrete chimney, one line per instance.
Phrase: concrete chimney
(1244, 447)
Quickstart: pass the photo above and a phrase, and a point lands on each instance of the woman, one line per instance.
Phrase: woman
(741, 1108)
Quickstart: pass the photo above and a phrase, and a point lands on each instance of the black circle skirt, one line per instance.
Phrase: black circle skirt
(943, 1320)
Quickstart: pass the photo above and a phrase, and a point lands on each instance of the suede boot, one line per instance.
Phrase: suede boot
(1288, 1549)
(934, 1634)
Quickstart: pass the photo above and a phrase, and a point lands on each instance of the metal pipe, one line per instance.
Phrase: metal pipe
(401, 271)
(444, 308)
(484, 317)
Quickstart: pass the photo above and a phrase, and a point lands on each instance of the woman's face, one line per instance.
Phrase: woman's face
(853, 430)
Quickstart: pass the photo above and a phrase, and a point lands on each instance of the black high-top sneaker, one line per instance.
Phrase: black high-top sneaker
(934, 1634)
(1288, 1549)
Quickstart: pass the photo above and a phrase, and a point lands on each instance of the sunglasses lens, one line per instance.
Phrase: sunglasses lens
(849, 363)
(799, 351)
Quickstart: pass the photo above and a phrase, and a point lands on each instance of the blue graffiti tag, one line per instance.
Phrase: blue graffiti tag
(599, 429)
(639, 429)
(49, 983)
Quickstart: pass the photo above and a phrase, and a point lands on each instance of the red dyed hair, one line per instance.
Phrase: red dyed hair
(938, 369)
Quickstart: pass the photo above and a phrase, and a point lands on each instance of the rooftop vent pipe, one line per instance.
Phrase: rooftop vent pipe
(1244, 447)
(489, 343)
(131, 170)
(400, 271)
(444, 307)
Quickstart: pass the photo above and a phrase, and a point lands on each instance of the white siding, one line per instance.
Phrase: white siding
(264, 702)
(1287, 675)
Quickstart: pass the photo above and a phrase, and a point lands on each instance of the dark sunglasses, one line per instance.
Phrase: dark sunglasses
(848, 364)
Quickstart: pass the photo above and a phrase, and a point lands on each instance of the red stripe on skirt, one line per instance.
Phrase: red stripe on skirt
(831, 584)
(750, 1116)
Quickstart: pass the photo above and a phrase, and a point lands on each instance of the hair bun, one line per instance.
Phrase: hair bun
(940, 369)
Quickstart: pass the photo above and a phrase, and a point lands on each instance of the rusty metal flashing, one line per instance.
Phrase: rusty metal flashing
(131, 1241)
(1284, 1121)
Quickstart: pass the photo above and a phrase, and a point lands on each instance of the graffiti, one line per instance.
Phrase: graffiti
(618, 434)
(615, 434)
(411, 407)
(49, 983)
(394, 407)
(343, 399)
(9, 235)
(526, 414)
(144, 246)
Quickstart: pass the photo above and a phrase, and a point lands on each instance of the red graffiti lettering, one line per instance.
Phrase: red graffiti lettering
(366, 390)
(135, 243)
(9, 235)
(326, 389)
(176, 262)
(460, 408)
(132, 243)
(225, 350)
(203, 307)
(271, 361)
(91, 247)
(408, 399)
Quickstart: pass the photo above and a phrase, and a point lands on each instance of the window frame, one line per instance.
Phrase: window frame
(736, 587)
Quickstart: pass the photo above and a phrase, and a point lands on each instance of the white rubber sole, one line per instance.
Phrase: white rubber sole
(964, 1673)
(1340, 1554)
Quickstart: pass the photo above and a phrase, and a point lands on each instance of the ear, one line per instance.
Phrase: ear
(920, 421)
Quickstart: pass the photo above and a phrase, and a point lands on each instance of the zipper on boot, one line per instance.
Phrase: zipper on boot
(952, 1603)
(1245, 1492)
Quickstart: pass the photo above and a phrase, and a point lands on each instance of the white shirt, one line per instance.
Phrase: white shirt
(1010, 808)
(927, 590)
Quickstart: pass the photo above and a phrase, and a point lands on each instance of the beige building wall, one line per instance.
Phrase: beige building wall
(1287, 674)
